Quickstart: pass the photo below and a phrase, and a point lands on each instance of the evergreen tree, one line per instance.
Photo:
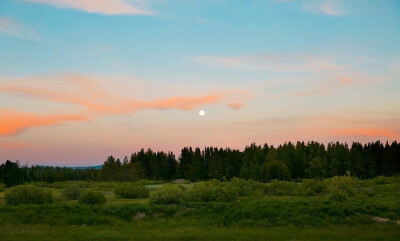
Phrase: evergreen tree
(197, 168)
(12, 174)
(216, 167)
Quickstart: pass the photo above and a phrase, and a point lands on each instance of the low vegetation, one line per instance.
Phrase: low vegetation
(71, 193)
(250, 209)
(28, 195)
(92, 197)
(132, 191)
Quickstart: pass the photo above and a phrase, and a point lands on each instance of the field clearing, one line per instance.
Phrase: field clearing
(274, 211)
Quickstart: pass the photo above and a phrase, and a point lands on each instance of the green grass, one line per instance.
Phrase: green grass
(164, 231)
(277, 211)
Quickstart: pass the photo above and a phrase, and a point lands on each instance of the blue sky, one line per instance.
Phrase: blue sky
(111, 77)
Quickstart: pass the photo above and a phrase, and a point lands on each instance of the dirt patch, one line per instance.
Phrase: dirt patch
(139, 216)
(180, 181)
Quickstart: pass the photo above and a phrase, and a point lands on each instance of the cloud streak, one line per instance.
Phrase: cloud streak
(106, 7)
(12, 28)
(272, 62)
(327, 7)
(320, 7)
(13, 122)
(91, 100)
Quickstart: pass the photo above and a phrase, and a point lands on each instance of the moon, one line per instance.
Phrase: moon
(202, 113)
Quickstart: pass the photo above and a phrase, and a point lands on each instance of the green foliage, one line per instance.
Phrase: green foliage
(286, 205)
(341, 188)
(211, 191)
(132, 191)
(216, 169)
(247, 187)
(280, 188)
(2, 187)
(11, 174)
(311, 187)
(168, 195)
(71, 193)
(277, 170)
(380, 180)
(92, 197)
(27, 194)
(261, 163)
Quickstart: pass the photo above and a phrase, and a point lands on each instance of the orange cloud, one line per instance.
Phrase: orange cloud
(107, 7)
(235, 106)
(92, 100)
(12, 122)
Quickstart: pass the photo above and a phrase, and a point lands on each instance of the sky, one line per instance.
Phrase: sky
(84, 79)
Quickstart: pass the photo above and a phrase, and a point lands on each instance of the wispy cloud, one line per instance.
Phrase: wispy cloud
(13, 122)
(325, 7)
(272, 62)
(340, 81)
(319, 7)
(331, 83)
(10, 27)
(89, 98)
(107, 7)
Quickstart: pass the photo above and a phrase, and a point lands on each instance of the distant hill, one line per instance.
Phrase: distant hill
(88, 167)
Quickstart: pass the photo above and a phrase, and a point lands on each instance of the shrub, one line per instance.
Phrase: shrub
(168, 195)
(71, 193)
(280, 188)
(341, 188)
(90, 197)
(247, 187)
(380, 180)
(132, 191)
(312, 187)
(212, 191)
(2, 187)
(27, 194)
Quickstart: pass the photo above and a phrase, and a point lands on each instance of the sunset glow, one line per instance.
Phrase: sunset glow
(81, 80)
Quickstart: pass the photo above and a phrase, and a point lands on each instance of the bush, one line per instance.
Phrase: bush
(280, 188)
(312, 187)
(2, 187)
(212, 191)
(168, 195)
(247, 187)
(90, 197)
(132, 191)
(27, 194)
(341, 188)
(380, 180)
(71, 193)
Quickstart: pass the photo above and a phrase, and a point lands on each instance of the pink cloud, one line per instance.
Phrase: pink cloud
(366, 132)
(107, 7)
(272, 62)
(10, 27)
(92, 101)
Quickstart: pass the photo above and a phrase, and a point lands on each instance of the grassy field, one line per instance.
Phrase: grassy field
(331, 209)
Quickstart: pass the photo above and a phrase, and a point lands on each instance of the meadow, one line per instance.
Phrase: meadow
(339, 208)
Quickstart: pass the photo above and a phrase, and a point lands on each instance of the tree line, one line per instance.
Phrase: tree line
(258, 162)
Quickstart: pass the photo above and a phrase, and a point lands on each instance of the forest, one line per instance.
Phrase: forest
(307, 191)
(256, 162)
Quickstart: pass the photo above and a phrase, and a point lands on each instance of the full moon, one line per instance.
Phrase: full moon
(202, 113)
